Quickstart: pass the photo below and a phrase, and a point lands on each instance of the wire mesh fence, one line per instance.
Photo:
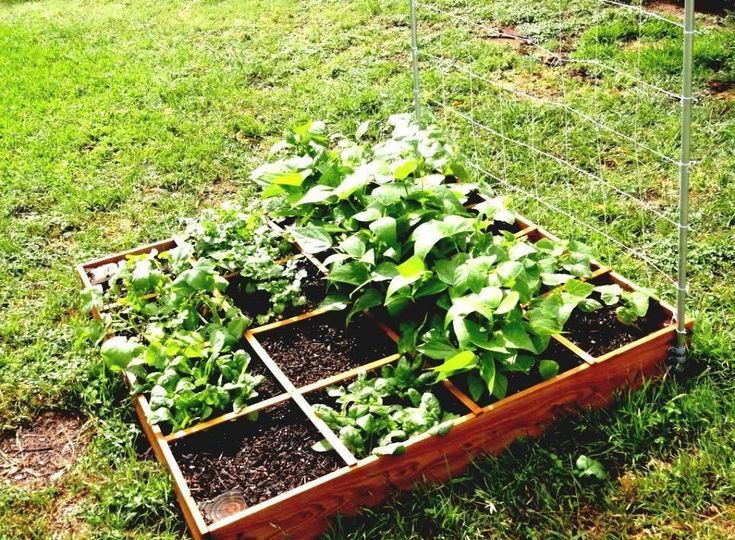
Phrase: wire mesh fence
(575, 113)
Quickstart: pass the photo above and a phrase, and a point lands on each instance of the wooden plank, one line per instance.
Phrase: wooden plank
(527, 413)
(290, 320)
(325, 430)
(466, 400)
(584, 355)
(207, 424)
(349, 374)
(189, 508)
(163, 245)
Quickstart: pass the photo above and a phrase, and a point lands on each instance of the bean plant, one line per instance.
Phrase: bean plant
(396, 232)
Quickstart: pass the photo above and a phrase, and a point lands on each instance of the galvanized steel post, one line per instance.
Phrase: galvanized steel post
(679, 352)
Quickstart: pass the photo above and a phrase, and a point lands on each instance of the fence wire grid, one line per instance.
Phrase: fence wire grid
(572, 116)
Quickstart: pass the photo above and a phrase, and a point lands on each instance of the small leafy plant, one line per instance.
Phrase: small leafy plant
(377, 414)
(633, 304)
(175, 329)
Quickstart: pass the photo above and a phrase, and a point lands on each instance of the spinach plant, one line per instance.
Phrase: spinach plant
(379, 413)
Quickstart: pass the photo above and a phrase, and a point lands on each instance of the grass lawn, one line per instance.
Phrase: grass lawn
(117, 119)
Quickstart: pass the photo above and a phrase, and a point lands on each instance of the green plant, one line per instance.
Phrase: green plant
(377, 414)
(240, 240)
(401, 238)
(173, 327)
(634, 304)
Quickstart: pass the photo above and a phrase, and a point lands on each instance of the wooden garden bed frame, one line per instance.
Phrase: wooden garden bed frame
(303, 512)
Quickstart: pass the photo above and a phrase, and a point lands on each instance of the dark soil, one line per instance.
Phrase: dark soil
(41, 453)
(258, 303)
(322, 346)
(517, 382)
(499, 226)
(260, 459)
(600, 332)
(270, 386)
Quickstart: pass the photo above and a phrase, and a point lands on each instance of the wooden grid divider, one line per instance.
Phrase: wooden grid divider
(328, 434)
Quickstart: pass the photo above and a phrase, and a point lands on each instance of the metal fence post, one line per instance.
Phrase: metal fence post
(415, 63)
(679, 352)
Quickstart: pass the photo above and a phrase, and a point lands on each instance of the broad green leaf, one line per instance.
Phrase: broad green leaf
(639, 300)
(509, 302)
(500, 388)
(412, 267)
(388, 194)
(316, 194)
(353, 273)
(353, 246)
(588, 305)
(460, 361)
(397, 283)
(544, 318)
(369, 299)
(118, 351)
(520, 250)
(430, 287)
(488, 371)
(385, 230)
(385, 271)
(508, 270)
(311, 238)
(353, 182)
(425, 236)
(445, 269)
(516, 337)
(548, 369)
(369, 214)
(452, 225)
(291, 178)
(437, 349)
(476, 386)
(473, 274)
(578, 289)
(483, 303)
(577, 264)
(404, 168)
(609, 294)
(553, 280)
(335, 302)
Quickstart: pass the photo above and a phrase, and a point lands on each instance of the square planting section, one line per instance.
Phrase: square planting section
(519, 381)
(601, 332)
(238, 465)
(318, 347)
(254, 302)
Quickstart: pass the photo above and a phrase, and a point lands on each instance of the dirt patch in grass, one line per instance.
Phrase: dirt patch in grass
(722, 89)
(676, 7)
(38, 455)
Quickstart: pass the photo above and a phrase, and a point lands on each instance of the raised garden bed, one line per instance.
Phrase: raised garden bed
(240, 477)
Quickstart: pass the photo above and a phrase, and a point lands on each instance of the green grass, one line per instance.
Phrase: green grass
(119, 118)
